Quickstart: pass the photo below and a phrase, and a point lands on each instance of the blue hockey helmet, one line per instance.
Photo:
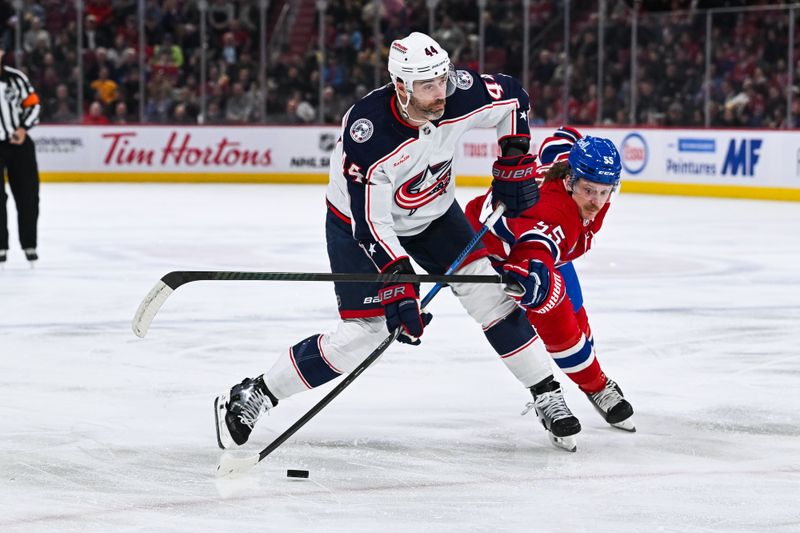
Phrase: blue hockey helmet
(595, 159)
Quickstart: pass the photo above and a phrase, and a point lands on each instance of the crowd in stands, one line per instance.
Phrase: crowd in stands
(748, 71)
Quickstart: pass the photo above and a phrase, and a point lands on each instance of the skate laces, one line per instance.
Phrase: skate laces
(608, 397)
(552, 404)
(256, 405)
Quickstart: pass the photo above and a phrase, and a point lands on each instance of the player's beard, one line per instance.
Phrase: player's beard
(433, 111)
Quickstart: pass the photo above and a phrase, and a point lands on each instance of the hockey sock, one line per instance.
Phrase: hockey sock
(579, 363)
(513, 339)
(323, 357)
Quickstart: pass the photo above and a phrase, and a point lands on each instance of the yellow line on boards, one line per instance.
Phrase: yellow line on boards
(181, 177)
(628, 186)
(714, 191)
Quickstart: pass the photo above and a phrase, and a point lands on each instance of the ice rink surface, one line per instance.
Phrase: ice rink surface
(694, 303)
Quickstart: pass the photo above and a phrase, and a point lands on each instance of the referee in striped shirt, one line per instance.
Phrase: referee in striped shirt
(19, 112)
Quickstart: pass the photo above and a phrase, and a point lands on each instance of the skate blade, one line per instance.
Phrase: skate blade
(224, 440)
(569, 444)
(626, 425)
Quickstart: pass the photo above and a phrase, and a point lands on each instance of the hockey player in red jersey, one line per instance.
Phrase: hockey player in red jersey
(391, 199)
(536, 250)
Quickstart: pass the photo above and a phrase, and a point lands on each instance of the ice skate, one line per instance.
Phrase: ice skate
(2, 259)
(31, 255)
(613, 406)
(236, 413)
(559, 422)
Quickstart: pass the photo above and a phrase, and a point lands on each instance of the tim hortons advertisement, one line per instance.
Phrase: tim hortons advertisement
(154, 153)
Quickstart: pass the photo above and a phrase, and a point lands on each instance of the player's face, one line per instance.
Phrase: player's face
(428, 98)
(590, 197)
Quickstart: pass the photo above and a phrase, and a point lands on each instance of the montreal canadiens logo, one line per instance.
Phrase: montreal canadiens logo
(425, 187)
(361, 130)
(463, 79)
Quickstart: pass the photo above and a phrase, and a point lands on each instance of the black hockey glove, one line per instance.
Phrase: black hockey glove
(401, 304)
(514, 184)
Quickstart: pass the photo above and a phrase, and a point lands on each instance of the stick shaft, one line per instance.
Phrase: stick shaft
(181, 277)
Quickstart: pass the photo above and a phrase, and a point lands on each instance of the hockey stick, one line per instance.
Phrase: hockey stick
(232, 465)
(170, 282)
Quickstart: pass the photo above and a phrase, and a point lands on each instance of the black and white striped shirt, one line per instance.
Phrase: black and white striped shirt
(19, 103)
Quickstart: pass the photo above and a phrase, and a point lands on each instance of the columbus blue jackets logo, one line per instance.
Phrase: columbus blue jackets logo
(361, 130)
(423, 188)
(463, 79)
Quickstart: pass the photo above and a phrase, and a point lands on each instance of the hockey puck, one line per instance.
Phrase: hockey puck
(297, 473)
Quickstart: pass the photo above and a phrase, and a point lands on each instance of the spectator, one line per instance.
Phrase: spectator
(160, 103)
(54, 103)
(62, 113)
(95, 36)
(96, 115)
(107, 89)
(170, 48)
(120, 114)
(213, 113)
(164, 67)
(36, 37)
(180, 115)
(240, 106)
(229, 49)
(100, 10)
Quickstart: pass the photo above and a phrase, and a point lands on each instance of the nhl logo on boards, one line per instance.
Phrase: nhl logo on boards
(361, 130)
(463, 79)
(327, 142)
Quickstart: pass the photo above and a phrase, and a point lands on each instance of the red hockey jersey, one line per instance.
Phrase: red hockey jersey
(551, 231)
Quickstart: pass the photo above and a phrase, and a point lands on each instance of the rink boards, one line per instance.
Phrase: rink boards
(725, 163)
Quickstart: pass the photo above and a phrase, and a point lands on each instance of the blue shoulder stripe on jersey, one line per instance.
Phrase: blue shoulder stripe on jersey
(500, 229)
(535, 236)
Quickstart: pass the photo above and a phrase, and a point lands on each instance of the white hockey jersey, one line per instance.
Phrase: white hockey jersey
(393, 179)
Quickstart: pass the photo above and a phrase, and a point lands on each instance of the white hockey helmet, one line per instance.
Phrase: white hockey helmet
(419, 57)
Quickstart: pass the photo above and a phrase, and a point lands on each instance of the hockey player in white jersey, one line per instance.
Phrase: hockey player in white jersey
(390, 197)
